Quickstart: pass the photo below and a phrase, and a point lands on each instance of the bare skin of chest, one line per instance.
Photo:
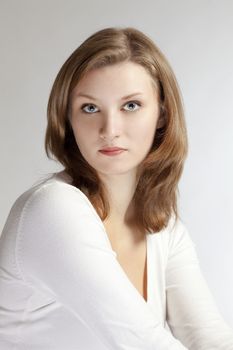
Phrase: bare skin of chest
(131, 255)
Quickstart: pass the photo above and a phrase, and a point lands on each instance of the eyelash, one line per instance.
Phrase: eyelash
(91, 104)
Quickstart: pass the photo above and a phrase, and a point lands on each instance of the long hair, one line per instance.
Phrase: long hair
(155, 197)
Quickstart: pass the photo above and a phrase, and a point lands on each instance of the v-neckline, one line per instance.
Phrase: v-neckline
(147, 301)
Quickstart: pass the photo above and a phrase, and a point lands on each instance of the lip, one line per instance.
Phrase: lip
(112, 149)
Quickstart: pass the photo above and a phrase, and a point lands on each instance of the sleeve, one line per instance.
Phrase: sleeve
(62, 243)
(192, 314)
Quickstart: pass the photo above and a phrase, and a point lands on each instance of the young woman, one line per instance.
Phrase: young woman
(96, 256)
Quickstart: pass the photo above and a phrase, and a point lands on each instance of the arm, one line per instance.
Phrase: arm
(192, 314)
(62, 242)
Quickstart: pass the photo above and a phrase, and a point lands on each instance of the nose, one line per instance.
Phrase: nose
(111, 127)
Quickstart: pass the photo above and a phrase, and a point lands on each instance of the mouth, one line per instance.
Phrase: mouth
(112, 151)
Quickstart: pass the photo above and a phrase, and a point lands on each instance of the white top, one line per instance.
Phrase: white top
(62, 287)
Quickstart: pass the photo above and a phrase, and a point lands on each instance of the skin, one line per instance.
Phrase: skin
(123, 123)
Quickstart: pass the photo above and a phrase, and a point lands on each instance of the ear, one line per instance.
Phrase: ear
(162, 118)
(69, 111)
(160, 123)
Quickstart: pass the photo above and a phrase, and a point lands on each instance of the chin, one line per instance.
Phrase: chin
(116, 170)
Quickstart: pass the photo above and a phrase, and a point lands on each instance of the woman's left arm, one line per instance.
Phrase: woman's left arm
(192, 313)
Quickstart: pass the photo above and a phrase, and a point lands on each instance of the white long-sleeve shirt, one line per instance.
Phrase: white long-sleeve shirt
(62, 287)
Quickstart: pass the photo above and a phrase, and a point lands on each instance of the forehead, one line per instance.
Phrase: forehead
(121, 78)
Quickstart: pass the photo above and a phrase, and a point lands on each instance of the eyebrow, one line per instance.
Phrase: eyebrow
(93, 98)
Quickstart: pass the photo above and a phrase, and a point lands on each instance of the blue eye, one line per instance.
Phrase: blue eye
(91, 107)
(133, 103)
(87, 105)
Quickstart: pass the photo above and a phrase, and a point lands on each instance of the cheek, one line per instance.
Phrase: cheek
(81, 132)
(86, 129)
(80, 136)
(144, 130)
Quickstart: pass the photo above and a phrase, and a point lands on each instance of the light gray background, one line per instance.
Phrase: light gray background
(196, 36)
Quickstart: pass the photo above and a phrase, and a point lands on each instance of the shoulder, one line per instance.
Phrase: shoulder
(175, 237)
(52, 197)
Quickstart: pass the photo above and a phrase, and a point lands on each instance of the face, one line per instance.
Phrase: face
(108, 118)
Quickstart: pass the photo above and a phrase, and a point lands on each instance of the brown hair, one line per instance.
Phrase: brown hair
(155, 197)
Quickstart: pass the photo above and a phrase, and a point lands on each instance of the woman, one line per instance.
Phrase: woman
(96, 256)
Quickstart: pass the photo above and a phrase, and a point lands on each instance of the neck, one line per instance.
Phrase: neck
(120, 191)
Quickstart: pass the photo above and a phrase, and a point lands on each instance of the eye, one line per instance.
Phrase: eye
(90, 108)
(133, 103)
(88, 105)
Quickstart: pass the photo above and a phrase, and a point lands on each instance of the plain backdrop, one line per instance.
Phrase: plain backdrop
(36, 37)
